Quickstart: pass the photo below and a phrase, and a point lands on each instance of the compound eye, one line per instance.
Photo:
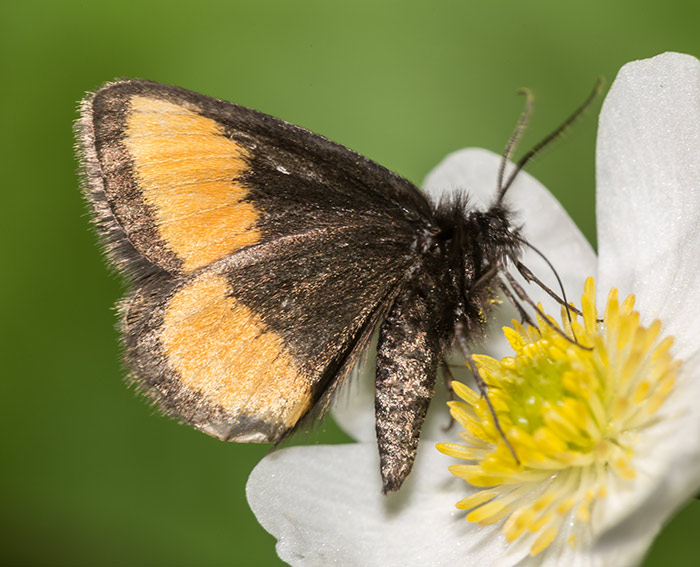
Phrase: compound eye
(495, 223)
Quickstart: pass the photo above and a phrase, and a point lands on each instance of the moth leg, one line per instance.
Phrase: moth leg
(408, 354)
(449, 378)
(524, 317)
(520, 292)
(483, 388)
(484, 391)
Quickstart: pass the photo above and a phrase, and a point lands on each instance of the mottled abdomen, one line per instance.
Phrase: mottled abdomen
(412, 339)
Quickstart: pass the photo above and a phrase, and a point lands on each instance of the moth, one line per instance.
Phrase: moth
(261, 258)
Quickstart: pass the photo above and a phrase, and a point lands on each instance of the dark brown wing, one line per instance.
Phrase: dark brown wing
(263, 255)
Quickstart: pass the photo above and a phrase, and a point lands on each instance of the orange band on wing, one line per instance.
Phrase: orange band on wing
(188, 172)
(222, 350)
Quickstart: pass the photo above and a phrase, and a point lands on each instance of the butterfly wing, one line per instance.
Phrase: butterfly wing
(262, 255)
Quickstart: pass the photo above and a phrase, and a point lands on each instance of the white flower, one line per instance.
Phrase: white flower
(324, 503)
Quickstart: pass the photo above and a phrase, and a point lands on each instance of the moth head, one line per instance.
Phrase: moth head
(500, 237)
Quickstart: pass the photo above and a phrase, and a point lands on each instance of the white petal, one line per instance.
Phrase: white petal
(353, 406)
(648, 201)
(325, 507)
(546, 225)
(667, 462)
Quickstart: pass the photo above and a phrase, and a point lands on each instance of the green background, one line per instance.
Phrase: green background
(91, 475)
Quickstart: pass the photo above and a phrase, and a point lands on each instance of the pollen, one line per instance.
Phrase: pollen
(568, 414)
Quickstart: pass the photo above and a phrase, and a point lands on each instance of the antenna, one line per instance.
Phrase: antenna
(542, 144)
(516, 135)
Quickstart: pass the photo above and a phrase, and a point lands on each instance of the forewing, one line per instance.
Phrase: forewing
(179, 180)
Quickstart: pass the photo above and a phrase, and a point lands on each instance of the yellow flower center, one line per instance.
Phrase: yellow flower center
(570, 414)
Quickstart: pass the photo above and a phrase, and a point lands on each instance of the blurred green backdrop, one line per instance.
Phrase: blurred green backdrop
(90, 474)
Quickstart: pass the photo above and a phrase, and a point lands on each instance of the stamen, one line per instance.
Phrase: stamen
(571, 415)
